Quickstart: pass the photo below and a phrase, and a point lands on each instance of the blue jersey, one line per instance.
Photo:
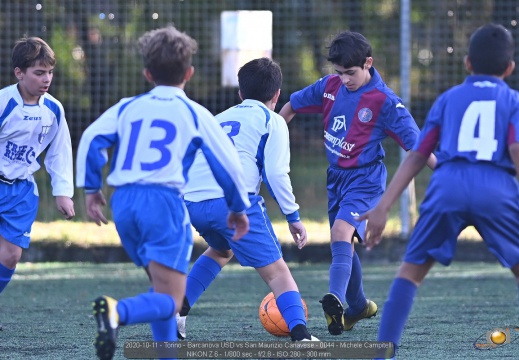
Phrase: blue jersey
(356, 123)
(474, 122)
(155, 138)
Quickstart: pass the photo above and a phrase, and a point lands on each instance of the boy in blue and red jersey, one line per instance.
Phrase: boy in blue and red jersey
(359, 112)
(476, 127)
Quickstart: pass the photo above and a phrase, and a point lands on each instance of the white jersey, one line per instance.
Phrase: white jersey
(262, 140)
(155, 137)
(26, 131)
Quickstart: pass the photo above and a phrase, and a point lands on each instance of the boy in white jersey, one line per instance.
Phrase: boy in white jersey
(31, 121)
(156, 136)
(261, 138)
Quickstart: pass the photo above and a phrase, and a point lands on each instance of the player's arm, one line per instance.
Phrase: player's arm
(91, 158)
(58, 163)
(513, 149)
(287, 112)
(277, 180)
(377, 217)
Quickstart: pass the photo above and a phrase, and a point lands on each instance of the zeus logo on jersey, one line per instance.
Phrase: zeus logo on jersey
(19, 154)
(36, 118)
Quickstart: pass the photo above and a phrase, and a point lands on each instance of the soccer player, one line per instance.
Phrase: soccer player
(475, 128)
(31, 121)
(155, 136)
(261, 138)
(359, 111)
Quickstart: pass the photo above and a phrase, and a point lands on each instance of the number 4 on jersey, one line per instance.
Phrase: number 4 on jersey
(484, 114)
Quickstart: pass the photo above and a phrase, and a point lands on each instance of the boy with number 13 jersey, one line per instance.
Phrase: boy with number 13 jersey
(155, 136)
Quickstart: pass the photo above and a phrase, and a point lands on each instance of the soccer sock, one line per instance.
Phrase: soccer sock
(146, 307)
(355, 292)
(201, 275)
(340, 269)
(396, 310)
(291, 308)
(5, 276)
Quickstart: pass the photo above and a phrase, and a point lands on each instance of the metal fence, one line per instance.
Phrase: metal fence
(94, 41)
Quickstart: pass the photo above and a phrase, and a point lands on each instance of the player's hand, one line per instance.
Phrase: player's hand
(298, 231)
(65, 206)
(377, 220)
(94, 205)
(240, 224)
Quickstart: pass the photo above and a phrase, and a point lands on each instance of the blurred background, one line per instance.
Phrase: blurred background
(98, 64)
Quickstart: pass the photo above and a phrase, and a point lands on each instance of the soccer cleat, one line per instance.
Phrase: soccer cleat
(181, 326)
(333, 312)
(107, 317)
(369, 311)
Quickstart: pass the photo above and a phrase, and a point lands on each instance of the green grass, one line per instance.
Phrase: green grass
(45, 310)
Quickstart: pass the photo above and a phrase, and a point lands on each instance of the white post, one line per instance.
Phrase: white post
(246, 35)
(408, 198)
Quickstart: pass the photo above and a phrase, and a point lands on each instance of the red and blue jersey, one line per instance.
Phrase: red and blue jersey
(356, 122)
(474, 122)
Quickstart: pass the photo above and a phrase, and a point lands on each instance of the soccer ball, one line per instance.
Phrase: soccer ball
(271, 318)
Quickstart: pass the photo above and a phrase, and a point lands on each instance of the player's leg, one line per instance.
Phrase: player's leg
(18, 206)
(10, 255)
(154, 228)
(350, 193)
(200, 277)
(515, 271)
(288, 299)
(260, 249)
(340, 272)
(443, 215)
(401, 298)
(359, 307)
(209, 218)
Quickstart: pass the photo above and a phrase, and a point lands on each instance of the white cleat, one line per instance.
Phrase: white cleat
(181, 326)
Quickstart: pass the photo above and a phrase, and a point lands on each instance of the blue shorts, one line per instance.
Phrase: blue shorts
(352, 192)
(153, 224)
(460, 195)
(258, 248)
(18, 210)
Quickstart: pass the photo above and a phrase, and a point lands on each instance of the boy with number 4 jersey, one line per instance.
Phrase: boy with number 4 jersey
(475, 128)
(155, 136)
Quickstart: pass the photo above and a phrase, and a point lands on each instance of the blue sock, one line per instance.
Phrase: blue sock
(355, 292)
(396, 310)
(5, 276)
(340, 269)
(291, 308)
(146, 308)
(164, 330)
(201, 275)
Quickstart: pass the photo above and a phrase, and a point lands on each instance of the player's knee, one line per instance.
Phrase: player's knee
(10, 257)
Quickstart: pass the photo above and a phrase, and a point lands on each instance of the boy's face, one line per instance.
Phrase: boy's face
(354, 77)
(35, 81)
